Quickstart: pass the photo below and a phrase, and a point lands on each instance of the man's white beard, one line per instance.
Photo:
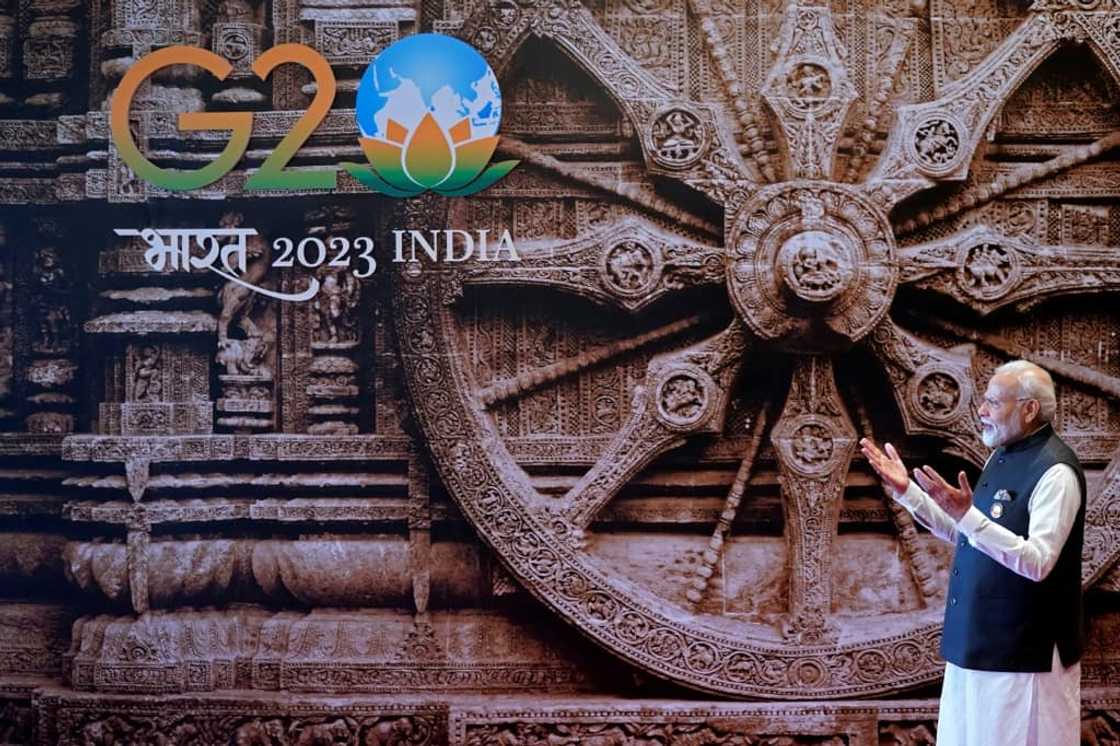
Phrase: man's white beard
(992, 436)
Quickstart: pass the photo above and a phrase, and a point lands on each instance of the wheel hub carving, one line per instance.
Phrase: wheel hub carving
(817, 266)
(811, 265)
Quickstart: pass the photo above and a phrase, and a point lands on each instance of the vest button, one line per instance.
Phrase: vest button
(956, 571)
(983, 484)
(1002, 461)
(953, 601)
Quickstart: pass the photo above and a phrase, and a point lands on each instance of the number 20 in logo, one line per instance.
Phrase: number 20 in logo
(442, 142)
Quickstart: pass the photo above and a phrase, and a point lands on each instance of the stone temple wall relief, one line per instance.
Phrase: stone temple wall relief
(616, 478)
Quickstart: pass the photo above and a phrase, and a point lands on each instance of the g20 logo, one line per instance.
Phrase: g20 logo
(428, 112)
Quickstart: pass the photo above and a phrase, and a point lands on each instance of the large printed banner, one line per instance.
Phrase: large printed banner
(460, 347)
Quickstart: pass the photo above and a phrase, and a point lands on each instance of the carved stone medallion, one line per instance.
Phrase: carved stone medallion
(679, 138)
(630, 267)
(986, 270)
(684, 396)
(937, 143)
(940, 393)
(811, 265)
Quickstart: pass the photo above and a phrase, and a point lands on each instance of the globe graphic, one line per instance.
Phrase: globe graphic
(429, 73)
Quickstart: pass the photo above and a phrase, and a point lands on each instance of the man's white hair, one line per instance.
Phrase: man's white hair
(1034, 383)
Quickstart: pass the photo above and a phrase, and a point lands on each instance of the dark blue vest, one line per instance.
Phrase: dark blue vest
(995, 619)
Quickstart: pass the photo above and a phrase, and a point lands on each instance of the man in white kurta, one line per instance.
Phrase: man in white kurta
(1001, 708)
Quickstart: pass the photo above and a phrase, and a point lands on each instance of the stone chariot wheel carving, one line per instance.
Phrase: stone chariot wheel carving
(812, 264)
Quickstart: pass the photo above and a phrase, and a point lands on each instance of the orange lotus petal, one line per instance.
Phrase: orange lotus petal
(385, 157)
(428, 158)
(379, 152)
(470, 159)
(460, 131)
(395, 131)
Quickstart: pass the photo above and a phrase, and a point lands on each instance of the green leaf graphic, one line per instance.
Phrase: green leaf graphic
(371, 180)
(488, 177)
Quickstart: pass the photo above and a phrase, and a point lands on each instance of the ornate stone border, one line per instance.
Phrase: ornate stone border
(65, 719)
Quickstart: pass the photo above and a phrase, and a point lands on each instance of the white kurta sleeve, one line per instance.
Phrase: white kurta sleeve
(1053, 506)
(927, 512)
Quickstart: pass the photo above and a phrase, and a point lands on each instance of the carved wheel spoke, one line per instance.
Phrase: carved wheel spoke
(933, 388)
(714, 553)
(683, 139)
(505, 389)
(814, 442)
(935, 141)
(683, 394)
(809, 91)
(987, 270)
(630, 264)
(750, 127)
(1090, 378)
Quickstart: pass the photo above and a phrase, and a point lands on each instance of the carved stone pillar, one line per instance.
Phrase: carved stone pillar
(350, 41)
(51, 368)
(50, 51)
(335, 336)
(7, 50)
(7, 331)
(421, 642)
(239, 35)
(247, 344)
(155, 331)
(159, 342)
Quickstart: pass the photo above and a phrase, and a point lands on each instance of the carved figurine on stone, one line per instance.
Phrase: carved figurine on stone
(335, 306)
(258, 733)
(248, 355)
(147, 383)
(683, 396)
(895, 734)
(49, 267)
(630, 265)
(112, 730)
(336, 732)
(236, 10)
(54, 329)
(397, 732)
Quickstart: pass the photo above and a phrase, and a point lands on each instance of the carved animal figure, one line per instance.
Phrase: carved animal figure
(237, 301)
(399, 732)
(987, 268)
(258, 733)
(321, 734)
(108, 732)
(906, 735)
(630, 266)
(245, 356)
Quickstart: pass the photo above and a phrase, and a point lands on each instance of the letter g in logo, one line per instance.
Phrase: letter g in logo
(178, 180)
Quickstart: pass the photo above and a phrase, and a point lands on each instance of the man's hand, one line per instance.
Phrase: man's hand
(887, 465)
(953, 501)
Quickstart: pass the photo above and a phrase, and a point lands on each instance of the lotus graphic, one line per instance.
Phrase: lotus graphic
(428, 109)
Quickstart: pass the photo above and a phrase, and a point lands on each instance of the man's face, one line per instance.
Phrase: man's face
(1004, 415)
